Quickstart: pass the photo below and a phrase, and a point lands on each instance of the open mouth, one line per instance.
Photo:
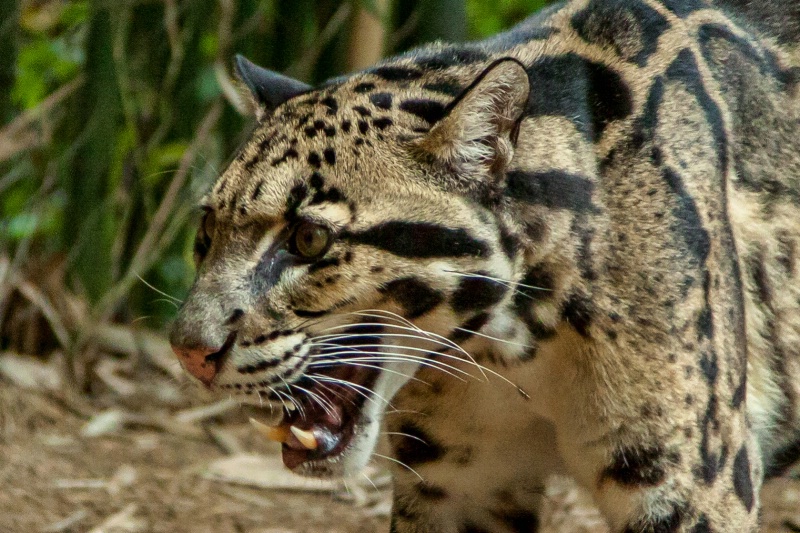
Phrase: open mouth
(325, 418)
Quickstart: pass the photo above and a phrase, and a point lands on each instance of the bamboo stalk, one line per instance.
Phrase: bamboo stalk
(367, 35)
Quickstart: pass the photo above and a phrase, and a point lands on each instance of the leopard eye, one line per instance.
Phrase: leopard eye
(310, 240)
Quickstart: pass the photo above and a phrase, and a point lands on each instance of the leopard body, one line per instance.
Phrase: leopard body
(599, 208)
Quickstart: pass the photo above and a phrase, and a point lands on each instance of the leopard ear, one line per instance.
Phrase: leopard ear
(269, 89)
(478, 132)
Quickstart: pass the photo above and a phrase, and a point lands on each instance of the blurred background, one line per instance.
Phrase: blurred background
(115, 117)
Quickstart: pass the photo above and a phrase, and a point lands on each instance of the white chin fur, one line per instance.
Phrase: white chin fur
(363, 444)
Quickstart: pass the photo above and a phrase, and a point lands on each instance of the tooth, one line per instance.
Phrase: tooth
(290, 406)
(306, 438)
(273, 433)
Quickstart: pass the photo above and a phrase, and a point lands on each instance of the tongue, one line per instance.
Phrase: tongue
(293, 458)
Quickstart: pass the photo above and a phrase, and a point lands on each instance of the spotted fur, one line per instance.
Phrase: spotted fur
(570, 248)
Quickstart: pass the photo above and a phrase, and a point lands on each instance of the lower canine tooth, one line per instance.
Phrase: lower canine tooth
(275, 434)
(306, 438)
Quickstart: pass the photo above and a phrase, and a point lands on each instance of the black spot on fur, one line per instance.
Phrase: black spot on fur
(539, 283)
(330, 156)
(578, 313)
(702, 525)
(310, 132)
(709, 366)
(381, 100)
(419, 240)
(415, 296)
(430, 111)
(536, 285)
(364, 87)
(742, 482)
(509, 242)
(382, 122)
(396, 73)
(331, 103)
(685, 69)
(314, 160)
(637, 467)
(363, 111)
(670, 523)
(712, 461)
(609, 99)
(346, 126)
(235, 317)
(473, 528)
(297, 194)
(413, 446)
(323, 263)
(468, 328)
(363, 127)
(705, 323)
(518, 520)
(783, 459)
(684, 8)
(316, 180)
(477, 293)
(305, 313)
(554, 189)
(687, 222)
(632, 29)
(257, 191)
(266, 364)
(291, 153)
(590, 95)
(430, 491)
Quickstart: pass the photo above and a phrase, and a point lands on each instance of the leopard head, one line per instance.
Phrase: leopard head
(357, 237)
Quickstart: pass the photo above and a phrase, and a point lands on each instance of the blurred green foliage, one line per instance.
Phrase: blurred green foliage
(110, 106)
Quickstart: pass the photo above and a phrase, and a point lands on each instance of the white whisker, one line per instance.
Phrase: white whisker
(401, 463)
(479, 334)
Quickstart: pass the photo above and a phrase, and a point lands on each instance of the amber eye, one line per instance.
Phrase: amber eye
(310, 240)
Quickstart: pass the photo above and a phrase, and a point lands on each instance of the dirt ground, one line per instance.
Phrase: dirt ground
(151, 472)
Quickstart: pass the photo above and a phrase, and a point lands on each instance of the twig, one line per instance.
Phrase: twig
(38, 299)
(124, 521)
(67, 523)
(204, 412)
(18, 136)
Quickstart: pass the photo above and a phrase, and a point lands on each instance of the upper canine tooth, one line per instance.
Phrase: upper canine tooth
(273, 433)
(306, 438)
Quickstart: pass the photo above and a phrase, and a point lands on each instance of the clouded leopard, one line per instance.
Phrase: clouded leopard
(572, 247)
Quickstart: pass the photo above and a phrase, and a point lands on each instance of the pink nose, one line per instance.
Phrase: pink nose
(197, 362)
